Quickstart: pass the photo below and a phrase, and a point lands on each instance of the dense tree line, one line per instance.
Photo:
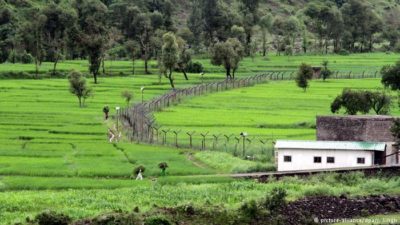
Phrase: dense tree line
(227, 30)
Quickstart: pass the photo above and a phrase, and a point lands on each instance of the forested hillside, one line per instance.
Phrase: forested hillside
(53, 30)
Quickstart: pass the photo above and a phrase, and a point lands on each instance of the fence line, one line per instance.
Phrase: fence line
(140, 124)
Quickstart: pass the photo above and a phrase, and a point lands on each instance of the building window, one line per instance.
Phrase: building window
(360, 160)
(317, 159)
(287, 158)
(330, 159)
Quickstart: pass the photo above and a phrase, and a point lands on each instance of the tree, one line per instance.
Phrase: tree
(32, 36)
(93, 32)
(169, 56)
(391, 76)
(79, 87)
(163, 166)
(227, 54)
(8, 31)
(217, 21)
(325, 20)
(379, 102)
(127, 95)
(304, 74)
(352, 101)
(196, 23)
(59, 19)
(325, 72)
(248, 9)
(285, 31)
(265, 25)
(132, 48)
(184, 57)
(360, 24)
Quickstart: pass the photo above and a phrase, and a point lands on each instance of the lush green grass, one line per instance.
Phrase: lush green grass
(357, 63)
(173, 191)
(56, 155)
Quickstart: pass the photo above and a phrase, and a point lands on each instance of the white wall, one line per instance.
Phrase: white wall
(304, 159)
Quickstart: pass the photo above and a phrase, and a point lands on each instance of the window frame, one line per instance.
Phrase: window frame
(361, 160)
(330, 157)
(318, 157)
(289, 157)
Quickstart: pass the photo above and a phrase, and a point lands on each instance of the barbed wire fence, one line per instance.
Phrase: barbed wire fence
(140, 125)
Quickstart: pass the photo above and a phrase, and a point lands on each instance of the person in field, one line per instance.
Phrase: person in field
(111, 135)
(139, 175)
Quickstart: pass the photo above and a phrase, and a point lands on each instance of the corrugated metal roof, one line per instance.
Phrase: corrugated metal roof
(331, 145)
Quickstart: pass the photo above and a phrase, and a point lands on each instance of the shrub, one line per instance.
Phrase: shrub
(343, 52)
(26, 58)
(250, 209)
(52, 218)
(195, 67)
(276, 199)
(157, 220)
(350, 179)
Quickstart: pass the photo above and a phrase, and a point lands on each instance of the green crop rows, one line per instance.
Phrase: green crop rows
(56, 155)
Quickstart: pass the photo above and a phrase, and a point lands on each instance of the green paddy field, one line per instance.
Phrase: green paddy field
(55, 155)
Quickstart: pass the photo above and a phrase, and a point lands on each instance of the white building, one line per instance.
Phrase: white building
(314, 155)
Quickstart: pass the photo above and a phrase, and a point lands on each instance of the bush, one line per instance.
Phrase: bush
(195, 67)
(276, 199)
(250, 209)
(52, 218)
(157, 220)
(26, 58)
(350, 179)
(343, 52)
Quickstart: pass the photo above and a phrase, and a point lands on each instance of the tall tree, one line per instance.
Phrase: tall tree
(93, 31)
(184, 56)
(361, 23)
(325, 20)
(8, 30)
(265, 25)
(196, 23)
(59, 19)
(227, 54)
(169, 56)
(32, 36)
(248, 9)
(285, 31)
(132, 48)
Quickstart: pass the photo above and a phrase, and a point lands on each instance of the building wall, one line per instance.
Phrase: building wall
(354, 128)
(304, 159)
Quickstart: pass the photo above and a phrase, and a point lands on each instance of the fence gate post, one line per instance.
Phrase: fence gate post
(190, 138)
(176, 137)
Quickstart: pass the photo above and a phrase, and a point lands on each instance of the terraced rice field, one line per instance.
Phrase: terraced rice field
(55, 155)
